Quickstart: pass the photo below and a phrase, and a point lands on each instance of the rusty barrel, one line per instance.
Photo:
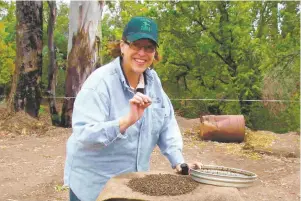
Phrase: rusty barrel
(223, 128)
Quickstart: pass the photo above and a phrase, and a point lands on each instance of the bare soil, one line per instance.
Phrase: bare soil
(32, 156)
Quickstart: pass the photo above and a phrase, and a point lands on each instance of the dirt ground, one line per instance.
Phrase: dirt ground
(32, 155)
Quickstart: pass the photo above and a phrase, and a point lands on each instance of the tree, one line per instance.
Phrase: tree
(52, 69)
(207, 53)
(231, 50)
(60, 39)
(26, 88)
(82, 50)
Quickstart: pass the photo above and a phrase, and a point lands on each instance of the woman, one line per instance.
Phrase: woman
(120, 115)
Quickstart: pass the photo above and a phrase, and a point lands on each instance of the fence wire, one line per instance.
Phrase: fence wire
(194, 99)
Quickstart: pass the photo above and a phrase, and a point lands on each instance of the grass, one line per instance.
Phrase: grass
(237, 149)
(254, 141)
(60, 188)
(42, 109)
(259, 139)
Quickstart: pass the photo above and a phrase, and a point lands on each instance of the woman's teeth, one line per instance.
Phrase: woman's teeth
(139, 60)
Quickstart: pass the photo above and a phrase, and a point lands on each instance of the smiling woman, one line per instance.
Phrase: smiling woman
(120, 115)
(138, 40)
(137, 56)
(115, 49)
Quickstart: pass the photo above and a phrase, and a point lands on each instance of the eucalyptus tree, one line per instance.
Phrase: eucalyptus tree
(26, 87)
(83, 44)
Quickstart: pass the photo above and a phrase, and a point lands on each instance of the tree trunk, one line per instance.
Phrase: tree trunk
(52, 68)
(82, 50)
(262, 20)
(274, 21)
(26, 87)
(100, 48)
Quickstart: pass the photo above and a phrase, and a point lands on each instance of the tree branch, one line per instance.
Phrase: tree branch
(182, 64)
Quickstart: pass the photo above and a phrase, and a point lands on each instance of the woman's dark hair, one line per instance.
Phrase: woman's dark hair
(114, 49)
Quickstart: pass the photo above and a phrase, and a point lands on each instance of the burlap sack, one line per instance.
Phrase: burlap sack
(117, 190)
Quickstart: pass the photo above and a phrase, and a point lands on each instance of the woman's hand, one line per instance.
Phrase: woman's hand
(193, 165)
(137, 106)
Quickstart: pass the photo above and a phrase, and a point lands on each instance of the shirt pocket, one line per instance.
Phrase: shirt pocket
(157, 116)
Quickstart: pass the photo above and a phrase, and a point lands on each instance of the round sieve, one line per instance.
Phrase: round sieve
(223, 176)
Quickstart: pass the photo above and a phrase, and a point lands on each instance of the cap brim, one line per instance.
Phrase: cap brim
(139, 35)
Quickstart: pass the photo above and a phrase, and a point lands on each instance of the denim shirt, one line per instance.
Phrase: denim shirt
(97, 151)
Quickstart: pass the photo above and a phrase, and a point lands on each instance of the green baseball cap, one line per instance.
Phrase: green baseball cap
(141, 27)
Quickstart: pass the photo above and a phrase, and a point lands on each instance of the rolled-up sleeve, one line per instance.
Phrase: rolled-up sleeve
(90, 121)
(170, 140)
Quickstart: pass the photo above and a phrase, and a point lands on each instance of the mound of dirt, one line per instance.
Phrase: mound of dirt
(163, 184)
(23, 124)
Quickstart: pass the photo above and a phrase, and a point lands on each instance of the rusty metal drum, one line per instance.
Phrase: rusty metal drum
(223, 128)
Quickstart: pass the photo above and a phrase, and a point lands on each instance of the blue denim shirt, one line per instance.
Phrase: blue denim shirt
(97, 151)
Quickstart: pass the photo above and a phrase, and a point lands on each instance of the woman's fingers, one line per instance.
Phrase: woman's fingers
(141, 99)
(144, 98)
(195, 165)
(138, 99)
(134, 101)
(198, 165)
(178, 168)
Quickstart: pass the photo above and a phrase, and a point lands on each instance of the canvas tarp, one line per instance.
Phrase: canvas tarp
(116, 189)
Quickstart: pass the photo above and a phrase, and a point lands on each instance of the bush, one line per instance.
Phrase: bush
(261, 118)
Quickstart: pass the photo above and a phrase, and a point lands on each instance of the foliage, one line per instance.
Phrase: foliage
(42, 109)
(60, 188)
(224, 50)
(7, 43)
(210, 50)
(227, 50)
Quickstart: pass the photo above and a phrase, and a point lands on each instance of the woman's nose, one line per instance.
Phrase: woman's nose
(141, 51)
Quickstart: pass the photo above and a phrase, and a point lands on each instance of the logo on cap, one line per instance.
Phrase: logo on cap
(145, 26)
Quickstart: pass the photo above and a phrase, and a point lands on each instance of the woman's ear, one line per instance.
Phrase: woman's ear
(156, 56)
(122, 45)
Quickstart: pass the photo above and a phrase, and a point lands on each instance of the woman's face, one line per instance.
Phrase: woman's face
(138, 55)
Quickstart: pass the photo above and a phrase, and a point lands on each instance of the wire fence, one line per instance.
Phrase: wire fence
(277, 115)
(195, 99)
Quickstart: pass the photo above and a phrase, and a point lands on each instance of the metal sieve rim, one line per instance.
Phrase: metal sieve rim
(227, 172)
